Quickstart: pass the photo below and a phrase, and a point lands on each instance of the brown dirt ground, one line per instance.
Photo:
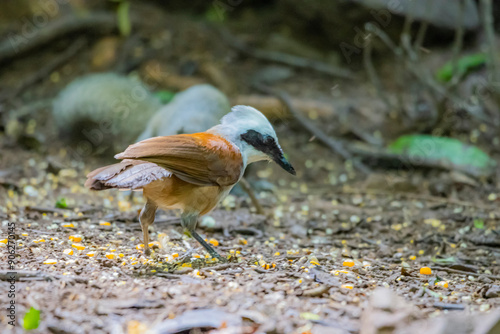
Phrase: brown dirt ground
(310, 265)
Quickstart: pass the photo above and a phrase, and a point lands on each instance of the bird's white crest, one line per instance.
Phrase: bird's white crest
(239, 121)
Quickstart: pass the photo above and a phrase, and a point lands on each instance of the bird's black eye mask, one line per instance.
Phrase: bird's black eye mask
(268, 146)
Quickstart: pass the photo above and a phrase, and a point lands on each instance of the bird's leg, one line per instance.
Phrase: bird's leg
(147, 217)
(189, 222)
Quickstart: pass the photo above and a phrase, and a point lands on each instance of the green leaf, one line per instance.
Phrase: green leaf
(31, 319)
(123, 15)
(479, 223)
(432, 293)
(447, 260)
(463, 66)
(61, 203)
(217, 12)
(165, 96)
(444, 152)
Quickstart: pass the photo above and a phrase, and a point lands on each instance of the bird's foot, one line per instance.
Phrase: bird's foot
(216, 255)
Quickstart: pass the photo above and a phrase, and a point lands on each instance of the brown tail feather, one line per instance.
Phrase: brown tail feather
(128, 174)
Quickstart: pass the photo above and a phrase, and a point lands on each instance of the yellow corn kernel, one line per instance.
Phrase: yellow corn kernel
(139, 246)
(314, 263)
(91, 254)
(121, 255)
(110, 256)
(425, 271)
(242, 241)
(105, 223)
(24, 234)
(78, 246)
(348, 263)
(337, 272)
(4, 241)
(154, 243)
(214, 242)
(68, 225)
(442, 284)
(68, 251)
(277, 254)
(112, 250)
(413, 257)
(75, 238)
(175, 255)
(50, 261)
(196, 256)
(347, 286)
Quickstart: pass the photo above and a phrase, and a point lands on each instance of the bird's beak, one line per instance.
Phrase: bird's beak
(284, 163)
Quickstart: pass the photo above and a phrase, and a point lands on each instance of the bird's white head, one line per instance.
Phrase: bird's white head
(250, 130)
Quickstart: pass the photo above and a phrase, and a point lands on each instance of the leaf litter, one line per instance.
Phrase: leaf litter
(83, 262)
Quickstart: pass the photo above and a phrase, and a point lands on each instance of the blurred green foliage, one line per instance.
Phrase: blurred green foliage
(463, 157)
(463, 66)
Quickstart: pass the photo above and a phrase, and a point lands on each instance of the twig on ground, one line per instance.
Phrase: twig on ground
(44, 209)
(16, 45)
(168, 275)
(457, 45)
(245, 185)
(332, 143)
(248, 231)
(317, 292)
(405, 37)
(419, 40)
(272, 107)
(425, 77)
(6, 275)
(489, 29)
(285, 58)
(28, 275)
(372, 74)
(221, 268)
(449, 306)
(418, 197)
(467, 273)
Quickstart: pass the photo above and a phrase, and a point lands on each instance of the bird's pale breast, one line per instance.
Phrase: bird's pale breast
(174, 193)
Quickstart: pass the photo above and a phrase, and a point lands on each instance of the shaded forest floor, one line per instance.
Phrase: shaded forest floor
(310, 265)
(332, 254)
